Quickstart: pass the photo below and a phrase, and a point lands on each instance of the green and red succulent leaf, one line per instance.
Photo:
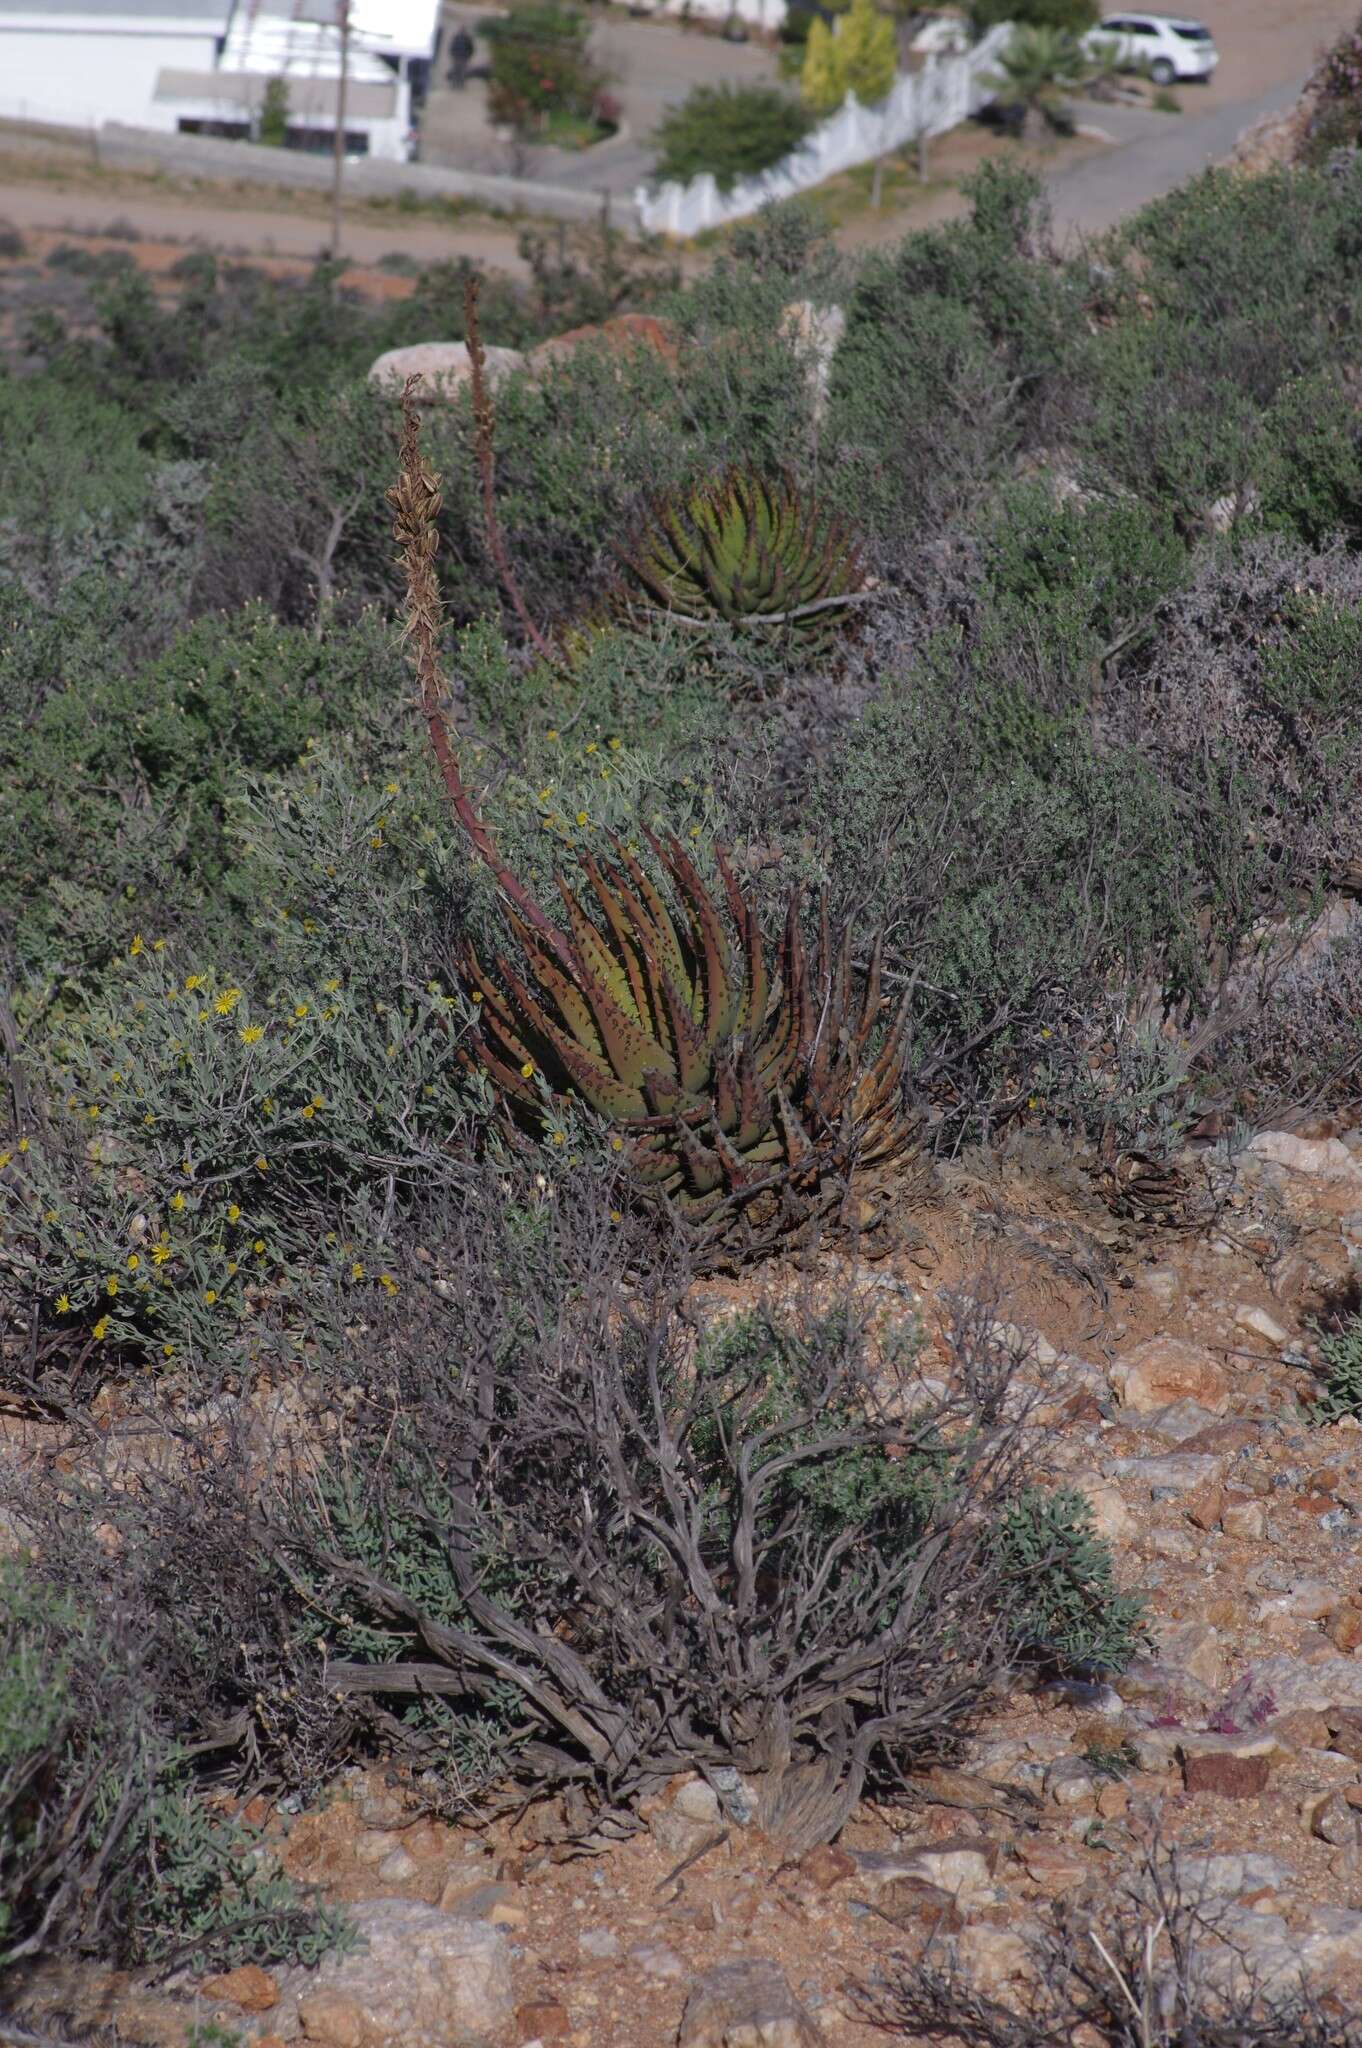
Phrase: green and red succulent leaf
(742, 1098)
(746, 550)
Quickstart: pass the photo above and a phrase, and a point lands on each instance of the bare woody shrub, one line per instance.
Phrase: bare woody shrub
(1156, 1966)
(1248, 685)
(642, 1544)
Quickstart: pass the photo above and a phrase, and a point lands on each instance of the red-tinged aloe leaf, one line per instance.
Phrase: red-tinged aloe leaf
(799, 1147)
(662, 1094)
(591, 1074)
(882, 1085)
(629, 1050)
(593, 1079)
(727, 1097)
(650, 929)
(632, 1048)
(506, 1077)
(652, 946)
(755, 1112)
(495, 1020)
(795, 977)
(662, 937)
(750, 1010)
(690, 1053)
(624, 935)
(870, 1001)
(704, 1167)
(780, 1058)
(740, 1169)
(593, 953)
(565, 992)
(713, 961)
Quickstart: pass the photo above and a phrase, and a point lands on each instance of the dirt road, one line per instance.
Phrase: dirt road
(253, 228)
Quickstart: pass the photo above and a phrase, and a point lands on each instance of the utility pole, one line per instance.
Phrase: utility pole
(338, 166)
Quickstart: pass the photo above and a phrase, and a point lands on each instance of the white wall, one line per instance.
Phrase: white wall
(922, 103)
(761, 13)
(81, 76)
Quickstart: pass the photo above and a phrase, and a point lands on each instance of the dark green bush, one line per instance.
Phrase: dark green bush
(732, 131)
(1312, 469)
(540, 64)
(52, 488)
(119, 778)
(1015, 864)
(962, 347)
(1335, 100)
(1070, 16)
(1079, 579)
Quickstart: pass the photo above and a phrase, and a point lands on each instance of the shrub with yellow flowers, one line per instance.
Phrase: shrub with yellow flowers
(216, 1148)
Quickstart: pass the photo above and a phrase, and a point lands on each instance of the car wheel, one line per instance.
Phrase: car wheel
(1162, 72)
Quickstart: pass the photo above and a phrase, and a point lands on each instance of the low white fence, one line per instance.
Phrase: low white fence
(921, 104)
(767, 14)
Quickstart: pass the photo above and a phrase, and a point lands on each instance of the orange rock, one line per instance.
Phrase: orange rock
(1204, 1507)
(826, 1866)
(1243, 1517)
(1054, 1865)
(543, 2021)
(1318, 1504)
(1345, 1629)
(615, 337)
(248, 1986)
(1164, 1369)
(1300, 1729)
(329, 2017)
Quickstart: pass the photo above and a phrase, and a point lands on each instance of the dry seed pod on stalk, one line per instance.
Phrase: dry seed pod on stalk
(743, 1094)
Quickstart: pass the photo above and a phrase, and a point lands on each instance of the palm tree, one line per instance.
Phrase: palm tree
(1041, 67)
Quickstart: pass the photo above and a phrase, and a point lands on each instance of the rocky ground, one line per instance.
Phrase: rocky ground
(1171, 1355)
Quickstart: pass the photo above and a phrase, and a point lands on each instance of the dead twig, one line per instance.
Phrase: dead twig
(706, 1848)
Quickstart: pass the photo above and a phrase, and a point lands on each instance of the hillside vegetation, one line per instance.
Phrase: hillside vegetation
(1026, 641)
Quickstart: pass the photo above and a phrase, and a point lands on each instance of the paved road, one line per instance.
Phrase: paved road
(1163, 151)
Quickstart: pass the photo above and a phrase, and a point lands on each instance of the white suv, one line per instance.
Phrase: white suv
(1159, 44)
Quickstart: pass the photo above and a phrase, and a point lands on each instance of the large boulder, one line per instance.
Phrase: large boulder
(418, 1978)
(444, 368)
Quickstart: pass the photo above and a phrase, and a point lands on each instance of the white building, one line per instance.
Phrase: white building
(204, 66)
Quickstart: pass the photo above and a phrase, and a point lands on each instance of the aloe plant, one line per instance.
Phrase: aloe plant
(743, 1094)
(748, 551)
